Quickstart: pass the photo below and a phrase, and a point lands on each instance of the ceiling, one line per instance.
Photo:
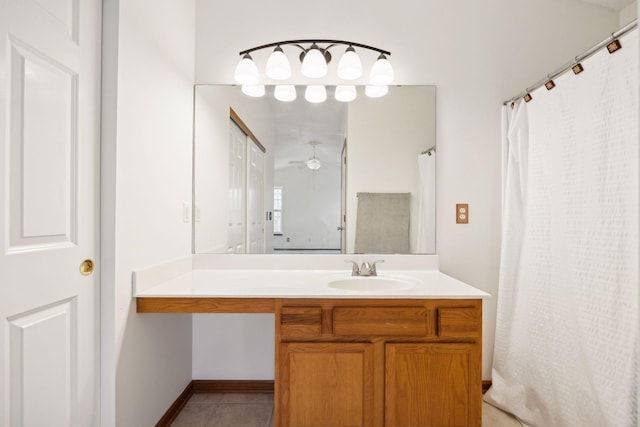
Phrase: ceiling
(301, 126)
(611, 4)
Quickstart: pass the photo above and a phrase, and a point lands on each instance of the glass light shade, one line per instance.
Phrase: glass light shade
(315, 94)
(285, 93)
(278, 66)
(314, 65)
(345, 93)
(373, 91)
(381, 73)
(255, 91)
(350, 66)
(313, 164)
(246, 71)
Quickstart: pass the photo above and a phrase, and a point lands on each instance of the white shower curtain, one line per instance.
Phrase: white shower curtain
(566, 351)
(426, 243)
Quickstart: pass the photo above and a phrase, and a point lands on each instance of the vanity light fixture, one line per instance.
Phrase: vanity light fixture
(350, 66)
(314, 63)
(314, 58)
(285, 93)
(278, 66)
(374, 91)
(345, 93)
(247, 71)
(315, 94)
(381, 73)
(254, 91)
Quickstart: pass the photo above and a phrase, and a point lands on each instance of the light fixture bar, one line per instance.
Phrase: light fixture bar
(322, 41)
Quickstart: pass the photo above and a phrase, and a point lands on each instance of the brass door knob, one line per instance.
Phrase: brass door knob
(86, 267)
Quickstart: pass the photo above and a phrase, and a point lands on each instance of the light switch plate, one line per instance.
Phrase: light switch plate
(186, 212)
(462, 213)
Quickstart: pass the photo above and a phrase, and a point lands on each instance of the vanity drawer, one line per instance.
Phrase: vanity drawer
(458, 322)
(398, 321)
(300, 322)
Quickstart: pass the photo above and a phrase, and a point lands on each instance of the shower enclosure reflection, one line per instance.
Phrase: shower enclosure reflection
(274, 177)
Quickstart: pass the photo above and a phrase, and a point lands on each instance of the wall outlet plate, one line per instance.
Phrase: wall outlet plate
(462, 213)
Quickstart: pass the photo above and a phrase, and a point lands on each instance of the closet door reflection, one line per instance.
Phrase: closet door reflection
(237, 189)
(255, 200)
(246, 193)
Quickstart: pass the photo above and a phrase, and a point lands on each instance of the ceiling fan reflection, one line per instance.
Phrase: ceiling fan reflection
(313, 163)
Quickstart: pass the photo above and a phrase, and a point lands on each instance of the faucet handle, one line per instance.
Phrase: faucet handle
(365, 269)
(355, 271)
(372, 268)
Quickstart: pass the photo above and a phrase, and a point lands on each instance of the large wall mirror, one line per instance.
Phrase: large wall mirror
(298, 177)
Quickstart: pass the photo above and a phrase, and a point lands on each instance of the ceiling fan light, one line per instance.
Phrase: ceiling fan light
(254, 91)
(314, 64)
(345, 93)
(246, 71)
(313, 164)
(350, 65)
(376, 91)
(278, 66)
(315, 94)
(381, 73)
(285, 93)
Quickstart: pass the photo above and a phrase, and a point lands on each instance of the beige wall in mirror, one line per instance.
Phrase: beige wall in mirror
(295, 177)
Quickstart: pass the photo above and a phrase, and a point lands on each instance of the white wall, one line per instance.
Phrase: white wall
(385, 137)
(211, 167)
(146, 174)
(629, 13)
(310, 207)
(233, 346)
(478, 54)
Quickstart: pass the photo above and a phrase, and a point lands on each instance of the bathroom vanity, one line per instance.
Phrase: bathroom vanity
(404, 349)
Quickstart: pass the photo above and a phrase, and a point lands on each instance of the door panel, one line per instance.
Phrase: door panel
(49, 117)
(237, 188)
(42, 367)
(429, 385)
(326, 385)
(255, 205)
(43, 145)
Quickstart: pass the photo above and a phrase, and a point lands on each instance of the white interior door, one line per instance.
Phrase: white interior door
(255, 202)
(49, 140)
(237, 189)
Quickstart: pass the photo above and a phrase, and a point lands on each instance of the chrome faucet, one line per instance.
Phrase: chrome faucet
(366, 269)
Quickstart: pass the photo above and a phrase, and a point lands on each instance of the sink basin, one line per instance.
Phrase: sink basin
(371, 284)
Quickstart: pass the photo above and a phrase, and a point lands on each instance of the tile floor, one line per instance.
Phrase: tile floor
(227, 410)
(256, 410)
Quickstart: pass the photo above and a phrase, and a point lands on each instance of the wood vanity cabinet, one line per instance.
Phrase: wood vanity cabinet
(378, 362)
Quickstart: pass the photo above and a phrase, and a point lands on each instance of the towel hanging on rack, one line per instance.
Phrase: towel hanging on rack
(382, 223)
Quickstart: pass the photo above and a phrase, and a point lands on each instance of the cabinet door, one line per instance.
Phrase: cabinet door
(428, 385)
(326, 384)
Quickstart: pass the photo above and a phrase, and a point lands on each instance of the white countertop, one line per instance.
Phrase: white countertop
(292, 283)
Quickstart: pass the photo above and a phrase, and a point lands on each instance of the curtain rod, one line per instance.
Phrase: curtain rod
(584, 55)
